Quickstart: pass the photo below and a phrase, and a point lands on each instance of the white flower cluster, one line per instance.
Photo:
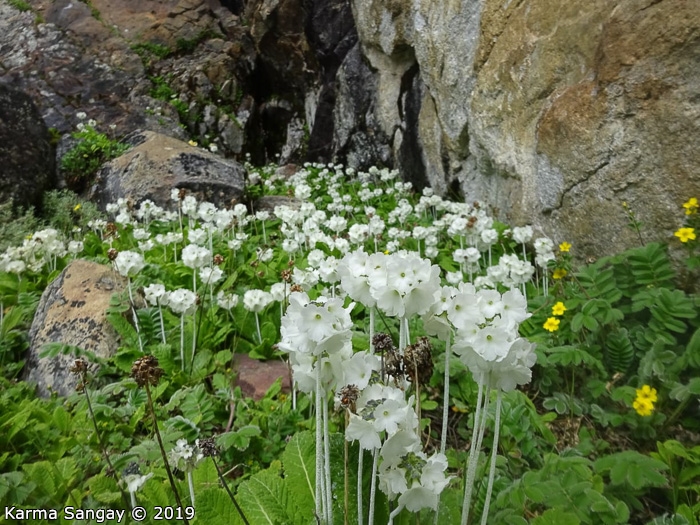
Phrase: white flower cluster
(486, 335)
(184, 456)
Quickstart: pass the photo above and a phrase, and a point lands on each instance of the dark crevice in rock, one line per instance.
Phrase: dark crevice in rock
(410, 158)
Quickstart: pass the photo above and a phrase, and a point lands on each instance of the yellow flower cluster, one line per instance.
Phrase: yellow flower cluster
(644, 402)
(552, 323)
(691, 206)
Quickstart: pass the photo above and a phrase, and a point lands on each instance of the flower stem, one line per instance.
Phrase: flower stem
(190, 484)
(327, 463)
(320, 497)
(473, 454)
(133, 309)
(182, 341)
(103, 448)
(162, 324)
(373, 489)
(228, 491)
(360, 511)
(494, 453)
(171, 479)
(257, 325)
(346, 473)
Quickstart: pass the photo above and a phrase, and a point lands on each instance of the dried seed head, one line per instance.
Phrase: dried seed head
(182, 193)
(418, 361)
(208, 447)
(286, 275)
(110, 229)
(112, 254)
(393, 364)
(219, 259)
(348, 397)
(79, 367)
(382, 342)
(145, 370)
(132, 469)
(296, 288)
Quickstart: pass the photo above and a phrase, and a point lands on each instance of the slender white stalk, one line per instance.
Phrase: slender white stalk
(473, 454)
(133, 309)
(190, 484)
(494, 453)
(182, 341)
(393, 514)
(132, 493)
(257, 325)
(445, 412)
(445, 397)
(371, 330)
(373, 489)
(327, 463)
(360, 511)
(319, 447)
(194, 337)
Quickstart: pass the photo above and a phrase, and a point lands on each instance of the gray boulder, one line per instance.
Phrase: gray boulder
(158, 163)
(26, 153)
(72, 311)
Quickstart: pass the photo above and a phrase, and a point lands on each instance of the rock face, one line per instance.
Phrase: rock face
(552, 111)
(72, 311)
(25, 150)
(157, 163)
(258, 77)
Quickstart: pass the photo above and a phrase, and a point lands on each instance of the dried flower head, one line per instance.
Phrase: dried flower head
(182, 194)
(286, 275)
(296, 288)
(112, 254)
(393, 363)
(348, 397)
(219, 259)
(80, 366)
(382, 342)
(418, 362)
(110, 229)
(207, 447)
(145, 370)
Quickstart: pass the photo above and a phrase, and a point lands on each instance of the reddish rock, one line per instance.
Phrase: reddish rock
(256, 377)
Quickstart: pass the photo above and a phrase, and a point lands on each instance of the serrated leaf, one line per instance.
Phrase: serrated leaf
(214, 507)
(556, 517)
(104, 489)
(299, 461)
(263, 499)
(238, 438)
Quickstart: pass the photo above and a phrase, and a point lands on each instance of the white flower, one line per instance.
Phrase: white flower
(265, 254)
(227, 301)
(522, 234)
(194, 256)
(155, 294)
(75, 247)
(278, 291)
(129, 263)
(211, 275)
(182, 301)
(256, 300)
(197, 236)
(184, 457)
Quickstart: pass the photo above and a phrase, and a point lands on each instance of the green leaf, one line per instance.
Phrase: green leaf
(239, 438)
(299, 460)
(214, 507)
(263, 498)
(556, 517)
(104, 489)
(633, 469)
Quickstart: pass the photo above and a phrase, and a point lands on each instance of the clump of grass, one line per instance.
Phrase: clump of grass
(20, 5)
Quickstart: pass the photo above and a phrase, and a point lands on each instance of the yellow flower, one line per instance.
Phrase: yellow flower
(691, 206)
(552, 324)
(564, 247)
(643, 406)
(192, 143)
(647, 392)
(559, 273)
(644, 403)
(77, 207)
(685, 234)
(558, 309)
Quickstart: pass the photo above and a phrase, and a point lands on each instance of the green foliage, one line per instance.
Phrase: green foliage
(83, 161)
(20, 5)
(15, 226)
(147, 50)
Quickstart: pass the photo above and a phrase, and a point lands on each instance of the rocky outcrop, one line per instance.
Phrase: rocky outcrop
(259, 77)
(72, 311)
(157, 163)
(25, 150)
(554, 112)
